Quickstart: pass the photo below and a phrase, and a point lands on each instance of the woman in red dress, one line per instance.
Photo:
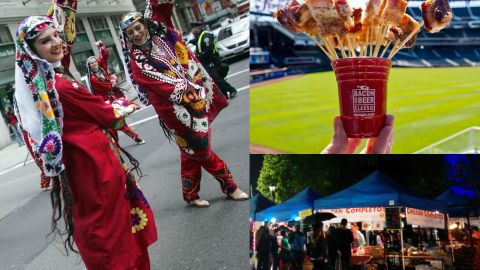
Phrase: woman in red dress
(102, 83)
(181, 92)
(105, 213)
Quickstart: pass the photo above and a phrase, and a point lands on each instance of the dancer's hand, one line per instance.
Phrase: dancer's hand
(342, 145)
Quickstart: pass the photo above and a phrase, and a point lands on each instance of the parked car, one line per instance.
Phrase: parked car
(234, 39)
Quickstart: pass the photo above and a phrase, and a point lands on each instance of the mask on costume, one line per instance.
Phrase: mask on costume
(37, 99)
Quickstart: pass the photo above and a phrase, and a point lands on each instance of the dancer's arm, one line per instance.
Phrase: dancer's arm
(64, 12)
(88, 107)
(160, 11)
(104, 53)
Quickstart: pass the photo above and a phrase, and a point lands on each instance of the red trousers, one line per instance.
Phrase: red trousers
(191, 171)
(130, 132)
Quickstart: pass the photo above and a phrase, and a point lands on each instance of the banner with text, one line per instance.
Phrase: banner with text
(373, 215)
(424, 218)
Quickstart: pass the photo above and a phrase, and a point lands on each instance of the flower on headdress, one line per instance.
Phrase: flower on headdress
(47, 109)
(51, 144)
(21, 36)
(139, 219)
(50, 84)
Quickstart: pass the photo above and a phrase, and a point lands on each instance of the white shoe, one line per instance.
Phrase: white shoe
(199, 203)
(238, 195)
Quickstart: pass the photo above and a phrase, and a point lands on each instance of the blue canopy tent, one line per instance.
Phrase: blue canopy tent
(288, 210)
(259, 203)
(458, 206)
(377, 190)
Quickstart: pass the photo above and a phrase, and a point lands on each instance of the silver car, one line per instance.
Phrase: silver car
(234, 39)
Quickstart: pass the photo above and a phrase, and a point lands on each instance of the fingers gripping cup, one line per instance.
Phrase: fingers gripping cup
(362, 90)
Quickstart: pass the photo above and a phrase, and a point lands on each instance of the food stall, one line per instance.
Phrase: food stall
(383, 204)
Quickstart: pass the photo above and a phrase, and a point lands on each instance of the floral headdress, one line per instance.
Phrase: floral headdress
(126, 44)
(37, 99)
(89, 72)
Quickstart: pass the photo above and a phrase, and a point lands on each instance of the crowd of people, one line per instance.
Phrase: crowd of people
(285, 248)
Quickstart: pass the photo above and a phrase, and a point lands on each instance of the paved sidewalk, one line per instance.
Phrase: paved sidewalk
(12, 155)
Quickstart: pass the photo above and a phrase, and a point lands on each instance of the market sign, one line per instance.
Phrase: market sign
(358, 214)
(305, 213)
(426, 219)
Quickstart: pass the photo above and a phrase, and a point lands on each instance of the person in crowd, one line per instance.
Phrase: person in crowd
(182, 93)
(15, 126)
(358, 238)
(285, 251)
(263, 247)
(207, 53)
(319, 247)
(101, 82)
(105, 213)
(341, 144)
(297, 243)
(379, 239)
(332, 254)
(275, 249)
(344, 244)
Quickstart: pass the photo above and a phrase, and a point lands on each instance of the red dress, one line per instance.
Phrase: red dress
(185, 99)
(106, 89)
(113, 222)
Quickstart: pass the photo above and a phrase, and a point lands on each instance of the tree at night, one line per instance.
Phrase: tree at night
(425, 175)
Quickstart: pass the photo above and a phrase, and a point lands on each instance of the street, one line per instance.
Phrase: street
(188, 238)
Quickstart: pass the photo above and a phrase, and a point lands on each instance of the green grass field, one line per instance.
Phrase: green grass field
(296, 115)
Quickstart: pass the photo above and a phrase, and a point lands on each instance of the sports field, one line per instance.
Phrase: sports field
(296, 115)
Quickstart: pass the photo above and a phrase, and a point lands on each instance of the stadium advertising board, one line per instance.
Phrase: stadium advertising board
(372, 215)
(426, 219)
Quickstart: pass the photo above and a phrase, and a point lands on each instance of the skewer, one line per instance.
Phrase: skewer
(321, 47)
(379, 39)
(385, 49)
(369, 38)
(329, 46)
(406, 40)
(342, 50)
(392, 52)
(351, 48)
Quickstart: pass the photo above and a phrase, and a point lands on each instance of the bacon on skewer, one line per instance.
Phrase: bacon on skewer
(345, 11)
(328, 20)
(401, 31)
(436, 14)
(394, 11)
(296, 18)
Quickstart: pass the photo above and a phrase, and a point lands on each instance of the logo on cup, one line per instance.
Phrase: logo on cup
(363, 101)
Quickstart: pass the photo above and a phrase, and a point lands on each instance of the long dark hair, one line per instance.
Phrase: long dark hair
(61, 193)
(62, 200)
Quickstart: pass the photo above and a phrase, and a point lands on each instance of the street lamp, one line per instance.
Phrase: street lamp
(272, 188)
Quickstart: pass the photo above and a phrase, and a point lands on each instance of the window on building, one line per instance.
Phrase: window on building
(80, 59)
(7, 46)
(81, 33)
(116, 20)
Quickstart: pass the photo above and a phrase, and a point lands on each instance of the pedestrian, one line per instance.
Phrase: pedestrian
(332, 248)
(358, 238)
(297, 243)
(285, 251)
(263, 247)
(101, 82)
(105, 213)
(181, 92)
(344, 244)
(207, 53)
(15, 126)
(275, 249)
(319, 247)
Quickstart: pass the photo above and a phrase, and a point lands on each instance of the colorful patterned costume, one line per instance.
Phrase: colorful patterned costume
(103, 85)
(182, 94)
(113, 222)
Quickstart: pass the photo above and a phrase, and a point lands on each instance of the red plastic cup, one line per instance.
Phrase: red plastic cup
(362, 90)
